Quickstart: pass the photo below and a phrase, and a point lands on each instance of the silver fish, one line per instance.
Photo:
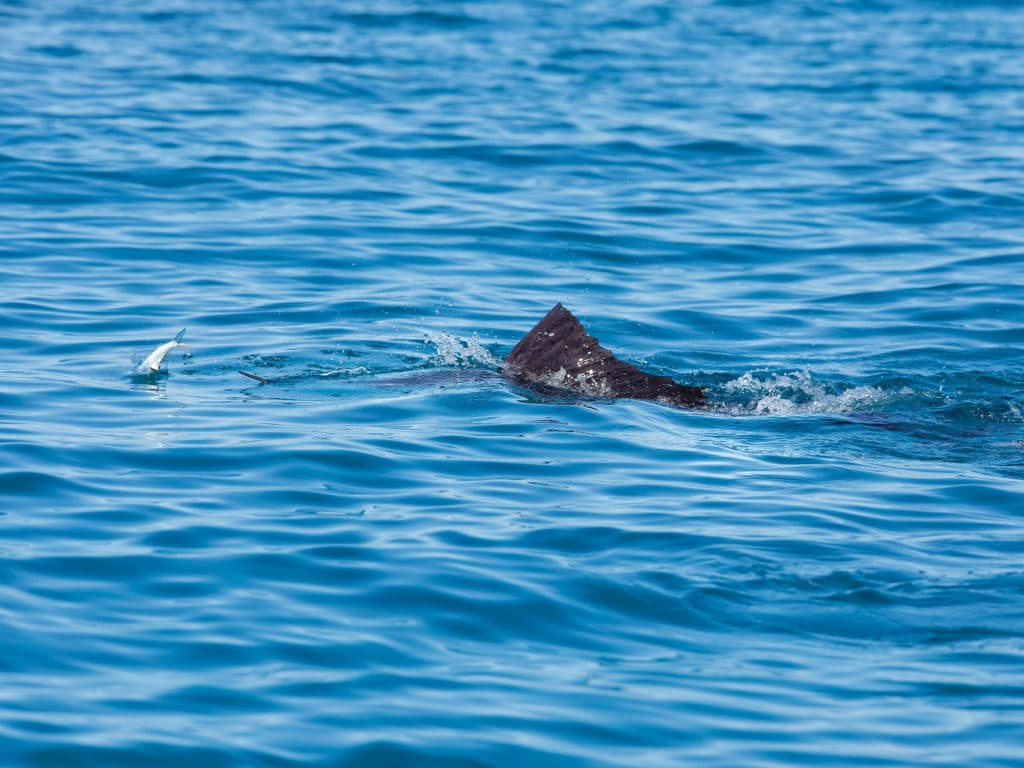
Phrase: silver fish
(152, 363)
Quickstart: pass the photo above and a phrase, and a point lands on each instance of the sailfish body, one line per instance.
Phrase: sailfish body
(559, 354)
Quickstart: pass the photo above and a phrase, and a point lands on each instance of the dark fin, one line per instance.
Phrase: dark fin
(559, 353)
(254, 377)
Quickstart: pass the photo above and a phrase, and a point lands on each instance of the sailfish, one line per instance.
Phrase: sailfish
(558, 354)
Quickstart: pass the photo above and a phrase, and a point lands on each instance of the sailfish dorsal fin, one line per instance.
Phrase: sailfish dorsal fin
(558, 352)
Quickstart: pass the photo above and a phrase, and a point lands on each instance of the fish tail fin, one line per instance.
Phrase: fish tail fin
(180, 336)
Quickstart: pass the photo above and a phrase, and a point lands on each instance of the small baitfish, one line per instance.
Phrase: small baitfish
(152, 363)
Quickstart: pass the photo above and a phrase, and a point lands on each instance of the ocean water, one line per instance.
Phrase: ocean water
(393, 556)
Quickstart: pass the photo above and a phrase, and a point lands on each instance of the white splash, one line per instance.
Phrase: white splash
(335, 373)
(798, 393)
(464, 353)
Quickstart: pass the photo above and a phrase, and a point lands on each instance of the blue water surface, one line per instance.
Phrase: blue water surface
(395, 557)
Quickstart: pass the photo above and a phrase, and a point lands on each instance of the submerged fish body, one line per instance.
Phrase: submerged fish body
(156, 358)
(558, 353)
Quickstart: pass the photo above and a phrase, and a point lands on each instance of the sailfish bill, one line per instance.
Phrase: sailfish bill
(559, 353)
